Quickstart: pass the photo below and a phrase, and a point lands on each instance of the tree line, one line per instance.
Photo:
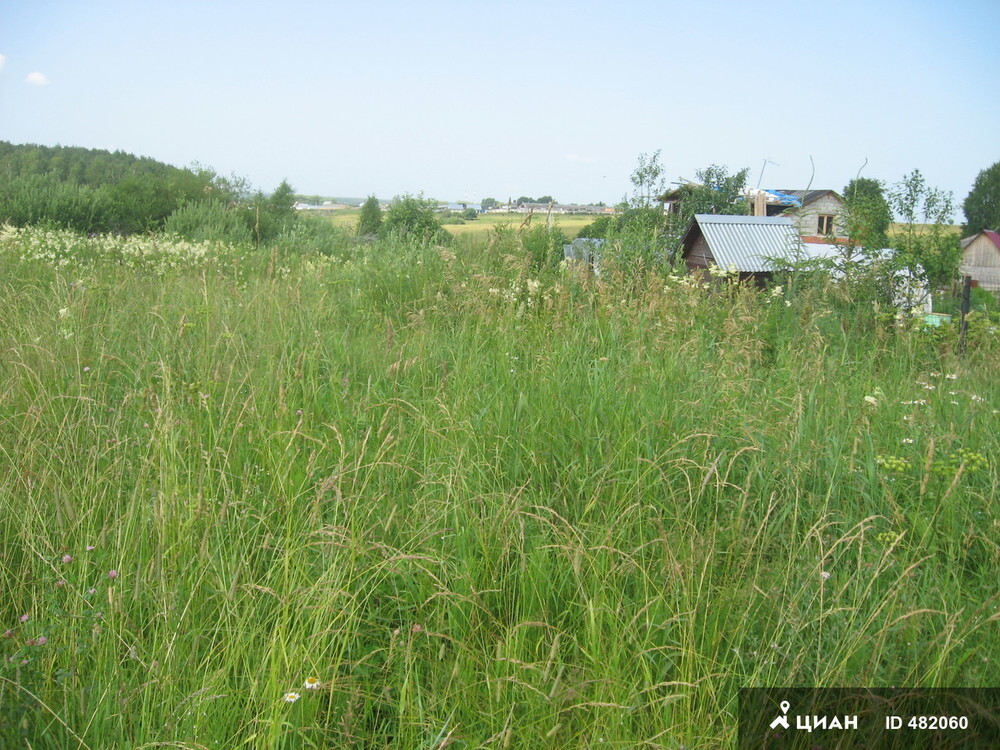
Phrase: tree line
(98, 191)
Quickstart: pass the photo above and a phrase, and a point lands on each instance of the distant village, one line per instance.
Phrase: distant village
(483, 207)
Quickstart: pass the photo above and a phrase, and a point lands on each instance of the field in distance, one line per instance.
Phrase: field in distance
(570, 224)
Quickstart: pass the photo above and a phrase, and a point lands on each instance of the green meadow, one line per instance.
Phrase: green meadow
(401, 496)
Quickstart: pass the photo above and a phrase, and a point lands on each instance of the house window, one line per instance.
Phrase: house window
(825, 224)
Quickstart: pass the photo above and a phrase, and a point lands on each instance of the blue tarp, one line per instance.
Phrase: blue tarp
(783, 198)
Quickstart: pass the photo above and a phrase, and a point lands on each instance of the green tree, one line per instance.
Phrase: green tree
(488, 203)
(925, 243)
(281, 202)
(982, 204)
(647, 180)
(718, 193)
(370, 220)
(413, 216)
(867, 215)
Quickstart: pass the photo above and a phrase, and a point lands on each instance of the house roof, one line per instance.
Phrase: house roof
(746, 243)
(994, 237)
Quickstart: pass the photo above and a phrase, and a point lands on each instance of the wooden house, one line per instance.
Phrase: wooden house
(981, 259)
(817, 213)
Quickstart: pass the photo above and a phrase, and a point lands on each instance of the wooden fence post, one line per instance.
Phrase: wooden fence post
(963, 327)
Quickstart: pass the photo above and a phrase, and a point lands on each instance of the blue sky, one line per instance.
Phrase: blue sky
(468, 100)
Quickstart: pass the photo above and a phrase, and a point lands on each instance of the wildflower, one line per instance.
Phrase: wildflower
(41, 640)
(86, 369)
(951, 376)
(91, 547)
(67, 558)
(825, 575)
(907, 441)
(312, 683)
(61, 583)
(871, 400)
(929, 387)
(8, 633)
(290, 697)
(112, 574)
(25, 617)
(935, 374)
(893, 463)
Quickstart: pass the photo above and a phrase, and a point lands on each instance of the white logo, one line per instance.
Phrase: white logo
(782, 721)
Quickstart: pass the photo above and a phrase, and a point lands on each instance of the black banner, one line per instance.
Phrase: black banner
(869, 718)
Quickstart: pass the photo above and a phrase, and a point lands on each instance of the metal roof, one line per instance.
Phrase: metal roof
(747, 242)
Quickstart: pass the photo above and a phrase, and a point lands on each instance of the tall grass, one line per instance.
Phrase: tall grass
(481, 504)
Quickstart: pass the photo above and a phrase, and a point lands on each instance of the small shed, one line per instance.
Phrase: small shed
(981, 259)
(746, 244)
(585, 250)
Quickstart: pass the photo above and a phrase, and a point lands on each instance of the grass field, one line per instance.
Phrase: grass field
(405, 497)
(569, 224)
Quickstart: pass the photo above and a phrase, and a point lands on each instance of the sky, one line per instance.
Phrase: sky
(462, 101)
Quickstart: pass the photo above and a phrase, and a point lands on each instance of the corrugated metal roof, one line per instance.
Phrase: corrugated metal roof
(746, 242)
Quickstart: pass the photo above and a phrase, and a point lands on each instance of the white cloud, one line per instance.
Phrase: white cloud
(37, 79)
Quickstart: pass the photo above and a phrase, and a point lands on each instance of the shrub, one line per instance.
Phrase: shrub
(413, 216)
(209, 220)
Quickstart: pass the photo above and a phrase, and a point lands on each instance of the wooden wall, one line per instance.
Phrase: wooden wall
(981, 261)
(700, 256)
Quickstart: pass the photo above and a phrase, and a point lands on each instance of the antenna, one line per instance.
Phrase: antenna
(762, 167)
(858, 175)
(813, 173)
